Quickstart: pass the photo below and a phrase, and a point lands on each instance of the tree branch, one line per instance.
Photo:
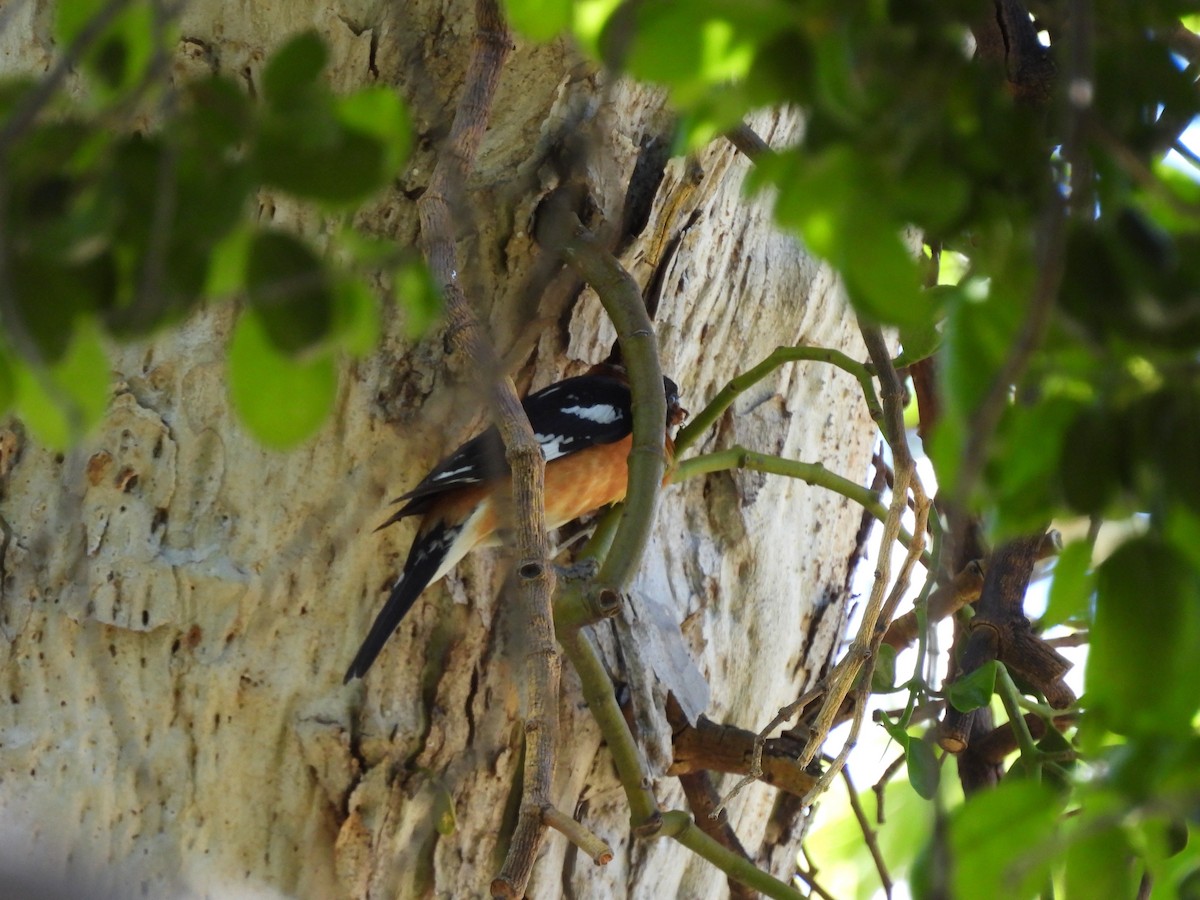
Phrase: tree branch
(679, 825)
(703, 420)
(535, 578)
(738, 457)
(860, 657)
(579, 835)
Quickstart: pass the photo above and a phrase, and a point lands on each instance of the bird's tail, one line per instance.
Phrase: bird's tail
(425, 564)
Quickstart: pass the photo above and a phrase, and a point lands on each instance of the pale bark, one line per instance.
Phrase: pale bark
(174, 643)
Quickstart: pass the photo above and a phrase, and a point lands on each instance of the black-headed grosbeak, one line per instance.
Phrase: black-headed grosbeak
(584, 427)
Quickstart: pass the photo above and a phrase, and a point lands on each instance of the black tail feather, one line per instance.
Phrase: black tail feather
(424, 559)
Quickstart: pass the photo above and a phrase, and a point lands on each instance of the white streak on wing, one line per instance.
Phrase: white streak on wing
(553, 445)
(442, 476)
(599, 412)
(463, 542)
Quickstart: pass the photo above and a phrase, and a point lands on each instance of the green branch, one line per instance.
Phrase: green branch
(679, 825)
(602, 702)
(738, 457)
(703, 420)
(1010, 697)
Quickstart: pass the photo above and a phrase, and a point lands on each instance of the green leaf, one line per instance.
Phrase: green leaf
(66, 399)
(280, 399)
(832, 201)
(293, 67)
(990, 839)
(1182, 529)
(1090, 479)
(974, 690)
(924, 772)
(1072, 587)
(975, 343)
(289, 289)
(357, 323)
(380, 113)
(539, 20)
(1099, 864)
(883, 676)
(1024, 464)
(345, 167)
(118, 57)
(420, 297)
(228, 263)
(918, 342)
(945, 447)
(1145, 640)
(217, 111)
(8, 381)
(881, 275)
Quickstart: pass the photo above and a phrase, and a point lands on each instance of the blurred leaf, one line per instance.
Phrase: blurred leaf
(293, 67)
(1093, 461)
(217, 111)
(62, 402)
(974, 690)
(883, 676)
(320, 148)
(420, 297)
(380, 113)
(945, 448)
(539, 20)
(990, 838)
(357, 321)
(119, 56)
(339, 168)
(1099, 864)
(281, 400)
(880, 274)
(8, 382)
(289, 290)
(923, 769)
(975, 342)
(918, 342)
(228, 264)
(1182, 529)
(1072, 587)
(1023, 465)
(1145, 640)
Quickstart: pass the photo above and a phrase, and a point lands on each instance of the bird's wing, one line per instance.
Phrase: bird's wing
(566, 417)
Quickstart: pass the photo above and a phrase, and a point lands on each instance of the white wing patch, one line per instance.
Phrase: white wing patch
(603, 413)
(442, 476)
(553, 445)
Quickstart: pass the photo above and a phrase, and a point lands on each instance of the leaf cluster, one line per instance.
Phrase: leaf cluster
(1067, 347)
(129, 206)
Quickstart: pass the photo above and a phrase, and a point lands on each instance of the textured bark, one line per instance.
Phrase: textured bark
(178, 604)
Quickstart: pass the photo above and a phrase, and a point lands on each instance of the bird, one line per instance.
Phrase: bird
(584, 428)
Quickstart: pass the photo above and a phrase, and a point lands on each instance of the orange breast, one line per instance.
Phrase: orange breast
(575, 485)
(586, 481)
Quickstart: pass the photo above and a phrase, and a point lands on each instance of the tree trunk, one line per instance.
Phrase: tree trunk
(179, 604)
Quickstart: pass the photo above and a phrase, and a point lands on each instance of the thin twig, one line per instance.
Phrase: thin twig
(747, 140)
(579, 835)
(738, 457)
(879, 787)
(786, 714)
(860, 657)
(703, 420)
(868, 833)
